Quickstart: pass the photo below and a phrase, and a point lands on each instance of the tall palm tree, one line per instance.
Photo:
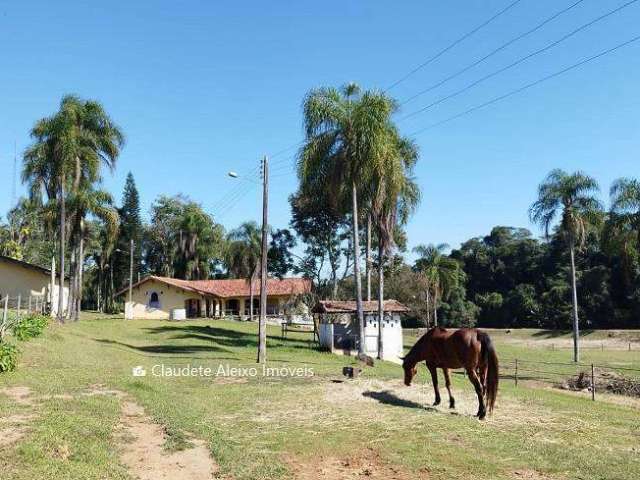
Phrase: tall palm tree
(572, 198)
(396, 195)
(442, 273)
(345, 132)
(68, 149)
(625, 205)
(243, 255)
(99, 204)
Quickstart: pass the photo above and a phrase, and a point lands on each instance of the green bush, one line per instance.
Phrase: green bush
(30, 326)
(8, 357)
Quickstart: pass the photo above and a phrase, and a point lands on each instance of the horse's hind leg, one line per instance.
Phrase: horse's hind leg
(475, 380)
(434, 378)
(447, 381)
(482, 373)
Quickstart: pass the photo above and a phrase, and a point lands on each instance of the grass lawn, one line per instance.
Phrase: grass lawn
(315, 426)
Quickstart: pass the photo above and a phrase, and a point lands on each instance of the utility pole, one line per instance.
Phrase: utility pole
(262, 325)
(130, 270)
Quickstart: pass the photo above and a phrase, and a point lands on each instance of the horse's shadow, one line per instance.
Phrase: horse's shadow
(389, 398)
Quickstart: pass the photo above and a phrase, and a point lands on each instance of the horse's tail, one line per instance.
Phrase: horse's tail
(490, 359)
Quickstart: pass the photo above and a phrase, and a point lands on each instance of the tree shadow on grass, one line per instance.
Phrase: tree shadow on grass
(225, 337)
(560, 333)
(165, 349)
(389, 398)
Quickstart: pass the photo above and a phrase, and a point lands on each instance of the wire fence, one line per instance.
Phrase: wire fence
(586, 377)
(13, 308)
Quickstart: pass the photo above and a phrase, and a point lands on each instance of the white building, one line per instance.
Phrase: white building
(338, 327)
(31, 284)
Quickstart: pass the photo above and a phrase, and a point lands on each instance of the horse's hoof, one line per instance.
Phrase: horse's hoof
(436, 403)
(482, 415)
(452, 404)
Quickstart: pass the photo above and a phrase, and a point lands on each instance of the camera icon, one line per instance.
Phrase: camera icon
(138, 371)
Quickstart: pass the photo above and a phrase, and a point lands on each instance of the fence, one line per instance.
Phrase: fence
(13, 308)
(591, 377)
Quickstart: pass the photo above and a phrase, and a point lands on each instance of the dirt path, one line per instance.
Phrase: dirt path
(145, 456)
(142, 441)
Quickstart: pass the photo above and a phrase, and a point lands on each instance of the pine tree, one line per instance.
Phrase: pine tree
(130, 228)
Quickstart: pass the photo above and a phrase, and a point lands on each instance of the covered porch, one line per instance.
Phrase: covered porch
(239, 307)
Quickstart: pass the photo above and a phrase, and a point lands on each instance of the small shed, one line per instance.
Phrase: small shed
(338, 327)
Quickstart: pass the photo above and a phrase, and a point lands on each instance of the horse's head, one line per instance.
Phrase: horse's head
(409, 371)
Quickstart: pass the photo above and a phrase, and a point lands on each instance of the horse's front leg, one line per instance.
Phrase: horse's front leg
(434, 379)
(447, 382)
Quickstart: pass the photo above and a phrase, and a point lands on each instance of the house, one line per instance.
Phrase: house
(30, 283)
(338, 327)
(170, 298)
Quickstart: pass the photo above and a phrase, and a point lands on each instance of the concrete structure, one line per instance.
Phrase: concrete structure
(170, 298)
(338, 327)
(18, 278)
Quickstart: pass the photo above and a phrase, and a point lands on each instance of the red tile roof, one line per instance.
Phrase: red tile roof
(349, 306)
(234, 287)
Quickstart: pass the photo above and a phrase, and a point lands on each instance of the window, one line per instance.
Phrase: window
(154, 301)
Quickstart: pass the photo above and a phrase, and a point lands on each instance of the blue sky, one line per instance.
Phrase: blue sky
(201, 88)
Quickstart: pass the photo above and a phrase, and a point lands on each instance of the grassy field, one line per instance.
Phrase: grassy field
(313, 426)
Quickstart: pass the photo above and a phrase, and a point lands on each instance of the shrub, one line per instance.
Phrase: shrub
(30, 326)
(8, 357)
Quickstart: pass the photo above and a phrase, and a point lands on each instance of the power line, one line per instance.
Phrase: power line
(232, 202)
(519, 61)
(450, 46)
(493, 52)
(528, 86)
(250, 174)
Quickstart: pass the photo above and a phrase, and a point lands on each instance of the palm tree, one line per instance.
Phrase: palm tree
(99, 204)
(68, 149)
(625, 205)
(396, 195)
(572, 198)
(243, 255)
(442, 273)
(345, 135)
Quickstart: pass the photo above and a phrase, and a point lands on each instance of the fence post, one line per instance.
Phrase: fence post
(29, 303)
(629, 346)
(19, 302)
(593, 383)
(4, 316)
(516, 375)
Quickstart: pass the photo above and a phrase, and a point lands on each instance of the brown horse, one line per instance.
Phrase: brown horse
(466, 348)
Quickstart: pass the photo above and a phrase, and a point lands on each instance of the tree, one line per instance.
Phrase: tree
(345, 132)
(67, 152)
(279, 256)
(570, 197)
(625, 205)
(243, 253)
(324, 231)
(131, 228)
(443, 273)
(182, 240)
(395, 196)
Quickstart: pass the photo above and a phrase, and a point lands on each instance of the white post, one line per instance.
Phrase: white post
(4, 316)
(19, 301)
